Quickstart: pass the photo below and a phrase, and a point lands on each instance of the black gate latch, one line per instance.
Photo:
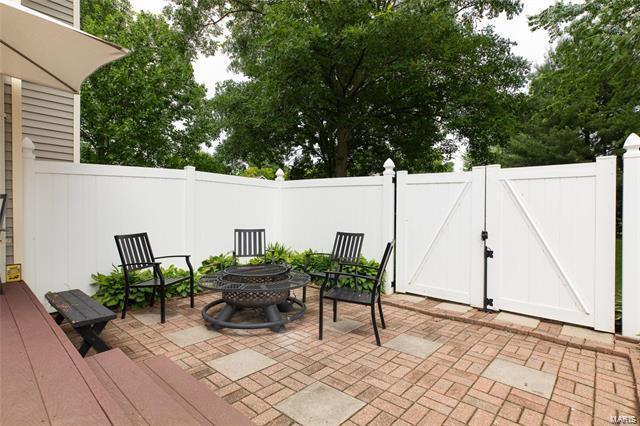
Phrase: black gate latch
(488, 253)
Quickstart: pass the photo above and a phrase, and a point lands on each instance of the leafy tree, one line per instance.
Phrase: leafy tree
(340, 85)
(145, 109)
(585, 100)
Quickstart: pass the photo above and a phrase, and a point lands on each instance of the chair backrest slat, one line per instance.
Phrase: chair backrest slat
(347, 246)
(249, 243)
(383, 264)
(135, 251)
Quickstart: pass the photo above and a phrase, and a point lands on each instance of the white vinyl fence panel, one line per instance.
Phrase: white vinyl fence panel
(553, 232)
(76, 209)
(434, 232)
(314, 210)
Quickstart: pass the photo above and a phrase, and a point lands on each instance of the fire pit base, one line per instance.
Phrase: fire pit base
(275, 320)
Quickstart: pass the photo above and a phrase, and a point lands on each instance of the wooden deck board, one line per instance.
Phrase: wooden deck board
(65, 394)
(113, 411)
(149, 400)
(192, 393)
(126, 405)
(19, 389)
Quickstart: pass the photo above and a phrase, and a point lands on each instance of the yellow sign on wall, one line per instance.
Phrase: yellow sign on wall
(14, 272)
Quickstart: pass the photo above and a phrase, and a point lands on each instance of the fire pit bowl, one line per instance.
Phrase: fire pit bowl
(255, 286)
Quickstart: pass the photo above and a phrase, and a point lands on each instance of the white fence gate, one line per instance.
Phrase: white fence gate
(552, 229)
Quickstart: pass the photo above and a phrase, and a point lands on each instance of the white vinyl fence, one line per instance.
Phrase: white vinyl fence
(552, 228)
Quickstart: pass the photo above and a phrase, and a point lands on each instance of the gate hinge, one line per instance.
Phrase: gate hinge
(488, 302)
(484, 235)
(488, 253)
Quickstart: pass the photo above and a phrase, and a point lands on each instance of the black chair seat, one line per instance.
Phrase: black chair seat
(343, 294)
(167, 282)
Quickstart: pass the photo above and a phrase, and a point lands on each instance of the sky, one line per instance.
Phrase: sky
(531, 45)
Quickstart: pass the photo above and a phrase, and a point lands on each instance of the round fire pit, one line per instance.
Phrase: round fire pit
(255, 286)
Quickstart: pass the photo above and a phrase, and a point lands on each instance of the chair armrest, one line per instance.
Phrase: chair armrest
(154, 264)
(173, 255)
(186, 258)
(349, 274)
(357, 265)
(318, 254)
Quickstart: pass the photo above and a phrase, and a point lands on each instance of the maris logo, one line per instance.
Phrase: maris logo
(624, 420)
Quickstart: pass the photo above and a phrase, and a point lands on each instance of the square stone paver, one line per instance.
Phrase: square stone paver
(345, 325)
(453, 307)
(521, 377)
(319, 404)
(517, 319)
(153, 317)
(585, 333)
(240, 364)
(412, 345)
(192, 335)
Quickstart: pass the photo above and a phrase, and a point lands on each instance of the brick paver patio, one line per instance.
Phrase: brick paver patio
(388, 386)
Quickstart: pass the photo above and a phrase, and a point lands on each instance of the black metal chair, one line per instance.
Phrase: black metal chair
(249, 243)
(331, 290)
(136, 254)
(346, 250)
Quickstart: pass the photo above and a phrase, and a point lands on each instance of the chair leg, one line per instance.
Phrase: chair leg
(126, 301)
(304, 294)
(320, 310)
(162, 313)
(373, 321)
(335, 310)
(191, 291)
(381, 316)
(153, 297)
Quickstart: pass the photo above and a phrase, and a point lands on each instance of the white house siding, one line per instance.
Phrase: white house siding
(8, 237)
(47, 117)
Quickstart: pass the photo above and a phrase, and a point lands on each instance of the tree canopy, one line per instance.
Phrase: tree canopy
(338, 85)
(145, 109)
(585, 100)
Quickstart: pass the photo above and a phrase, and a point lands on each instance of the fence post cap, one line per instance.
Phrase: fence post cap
(388, 165)
(632, 143)
(28, 148)
(279, 175)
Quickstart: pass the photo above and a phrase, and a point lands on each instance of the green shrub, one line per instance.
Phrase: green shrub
(215, 264)
(297, 260)
(110, 291)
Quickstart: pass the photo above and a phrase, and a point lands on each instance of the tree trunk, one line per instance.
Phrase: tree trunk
(342, 151)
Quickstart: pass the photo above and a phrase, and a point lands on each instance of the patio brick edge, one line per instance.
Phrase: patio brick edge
(633, 356)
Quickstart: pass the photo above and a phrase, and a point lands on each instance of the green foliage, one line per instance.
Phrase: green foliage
(583, 102)
(306, 261)
(343, 84)
(110, 291)
(215, 264)
(145, 109)
(265, 172)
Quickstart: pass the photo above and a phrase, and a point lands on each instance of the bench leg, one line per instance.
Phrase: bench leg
(59, 318)
(91, 336)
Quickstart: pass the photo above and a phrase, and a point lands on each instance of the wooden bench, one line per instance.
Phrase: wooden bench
(87, 317)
